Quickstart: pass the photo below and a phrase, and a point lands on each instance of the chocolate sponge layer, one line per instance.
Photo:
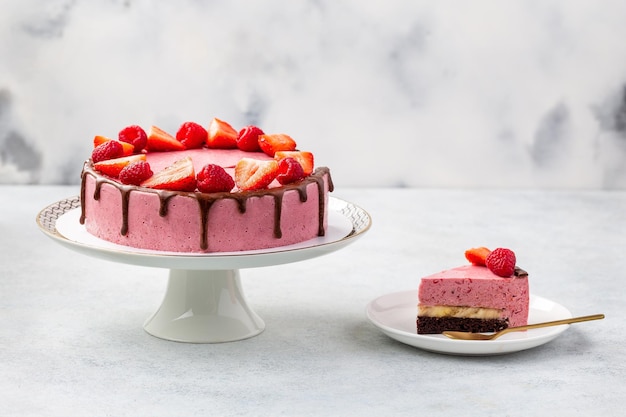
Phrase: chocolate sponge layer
(434, 325)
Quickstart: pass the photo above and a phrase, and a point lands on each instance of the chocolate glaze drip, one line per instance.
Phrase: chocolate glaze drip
(519, 272)
(205, 201)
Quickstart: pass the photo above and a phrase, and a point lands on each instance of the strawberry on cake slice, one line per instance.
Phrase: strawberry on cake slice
(488, 295)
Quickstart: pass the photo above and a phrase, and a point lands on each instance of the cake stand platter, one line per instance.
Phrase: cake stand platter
(204, 300)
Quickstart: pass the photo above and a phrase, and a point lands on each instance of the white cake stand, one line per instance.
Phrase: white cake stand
(204, 300)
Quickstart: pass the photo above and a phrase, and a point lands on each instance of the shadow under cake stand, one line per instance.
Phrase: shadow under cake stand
(204, 300)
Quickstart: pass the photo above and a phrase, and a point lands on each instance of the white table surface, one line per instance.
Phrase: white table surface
(72, 342)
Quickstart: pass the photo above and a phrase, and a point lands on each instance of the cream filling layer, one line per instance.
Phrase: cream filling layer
(459, 312)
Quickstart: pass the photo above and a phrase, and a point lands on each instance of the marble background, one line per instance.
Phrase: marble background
(397, 93)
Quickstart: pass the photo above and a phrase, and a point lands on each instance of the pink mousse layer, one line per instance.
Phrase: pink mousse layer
(477, 286)
(228, 229)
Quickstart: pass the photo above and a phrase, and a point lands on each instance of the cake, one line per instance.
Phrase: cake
(489, 294)
(203, 190)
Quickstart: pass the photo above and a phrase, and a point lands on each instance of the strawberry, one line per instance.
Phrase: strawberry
(192, 135)
(160, 140)
(477, 256)
(248, 139)
(214, 179)
(270, 144)
(108, 150)
(501, 261)
(304, 158)
(253, 174)
(128, 149)
(134, 135)
(113, 167)
(289, 170)
(221, 135)
(180, 176)
(135, 173)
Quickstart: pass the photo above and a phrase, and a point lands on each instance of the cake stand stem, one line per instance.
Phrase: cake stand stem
(203, 306)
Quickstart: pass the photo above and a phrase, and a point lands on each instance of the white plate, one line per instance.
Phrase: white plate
(346, 222)
(395, 314)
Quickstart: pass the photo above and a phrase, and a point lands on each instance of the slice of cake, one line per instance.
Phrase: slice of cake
(203, 190)
(489, 295)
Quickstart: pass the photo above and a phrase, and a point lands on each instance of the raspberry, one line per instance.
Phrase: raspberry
(134, 135)
(289, 170)
(108, 150)
(501, 262)
(135, 173)
(192, 135)
(214, 179)
(248, 139)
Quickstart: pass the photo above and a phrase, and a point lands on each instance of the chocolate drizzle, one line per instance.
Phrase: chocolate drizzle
(519, 272)
(278, 209)
(205, 201)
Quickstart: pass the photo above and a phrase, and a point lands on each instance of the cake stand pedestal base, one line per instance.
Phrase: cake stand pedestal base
(204, 306)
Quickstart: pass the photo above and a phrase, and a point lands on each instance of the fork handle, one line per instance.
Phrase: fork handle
(554, 323)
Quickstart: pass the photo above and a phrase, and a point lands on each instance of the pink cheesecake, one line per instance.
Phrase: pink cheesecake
(196, 222)
(472, 298)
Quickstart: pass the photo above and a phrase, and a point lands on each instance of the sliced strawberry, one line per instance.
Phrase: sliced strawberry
(254, 174)
(113, 167)
(180, 176)
(248, 139)
(127, 148)
(135, 135)
(289, 171)
(305, 158)
(99, 140)
(160, 140)
(221, 135)
(477, 256)
(192, 135)
(270, 144)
